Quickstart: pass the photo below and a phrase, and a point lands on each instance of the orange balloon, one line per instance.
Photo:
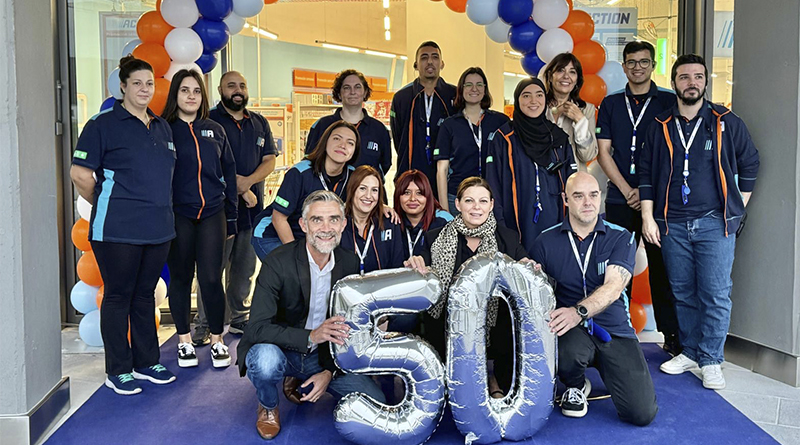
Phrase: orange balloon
(100, 295)
(638, 317)
(80, 235)
(160, 96)
(155, 55)
(158, 320)
(569, 3)
(579, 25)
(151, 28)
(269, 2)
(593, 90)
(456, 5)
(591, 54)
(158, 5)
(640, 291)
(88, 271)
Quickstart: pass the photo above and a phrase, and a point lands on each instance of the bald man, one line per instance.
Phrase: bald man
(592, 262)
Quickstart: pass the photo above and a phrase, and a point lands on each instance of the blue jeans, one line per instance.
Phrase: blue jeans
(699, 259)
(268, 364)
(263, 246)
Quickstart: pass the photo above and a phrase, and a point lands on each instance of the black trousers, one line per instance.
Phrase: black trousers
(201, 242)
(621, 365)
(130, 274)
(661, 293)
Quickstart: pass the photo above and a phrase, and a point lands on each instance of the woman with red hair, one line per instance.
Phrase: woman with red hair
(418, 209)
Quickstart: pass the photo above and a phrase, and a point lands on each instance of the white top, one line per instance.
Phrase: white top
(320, 292)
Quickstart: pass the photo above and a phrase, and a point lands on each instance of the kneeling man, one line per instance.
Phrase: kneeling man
(289, 327)
(592, 260)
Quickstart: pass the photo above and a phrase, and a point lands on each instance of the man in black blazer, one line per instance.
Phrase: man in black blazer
(289, 327)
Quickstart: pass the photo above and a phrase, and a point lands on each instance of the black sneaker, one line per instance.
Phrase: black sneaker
(573, 401)
(237, 328)
(672, 345)
(123, 384)
(186, 355)
(157, 374)
(201, 336)
(219, 355)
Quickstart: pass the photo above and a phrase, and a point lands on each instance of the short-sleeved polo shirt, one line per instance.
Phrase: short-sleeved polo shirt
(134, 164)
(385, 248)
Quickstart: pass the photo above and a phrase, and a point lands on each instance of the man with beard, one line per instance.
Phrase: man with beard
(254, 151)
(698, 170)
(591, 261)
(289, 328)
(623, 120)
(418, 110)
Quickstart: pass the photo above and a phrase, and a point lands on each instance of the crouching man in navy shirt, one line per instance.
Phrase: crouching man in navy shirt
(591, 261)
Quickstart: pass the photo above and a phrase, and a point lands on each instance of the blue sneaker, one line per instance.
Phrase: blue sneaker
(157, 374)
(123, 384)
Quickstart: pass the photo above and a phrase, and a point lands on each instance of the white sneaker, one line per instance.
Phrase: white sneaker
(678, 365)
(713, 377)
(219, 355)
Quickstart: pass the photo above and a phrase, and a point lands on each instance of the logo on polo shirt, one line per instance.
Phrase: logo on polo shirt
(386, 235)
(372, 146)
(708, 145)
(171, 146)
(260, 141)
(440, 122)
(436, 152)
(282, 202)
(597, 130)
(79, 154)
(207, 133)
(601, 267)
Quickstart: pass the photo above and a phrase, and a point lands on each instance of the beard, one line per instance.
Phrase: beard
(231, 105)
(325, 246)
(690, 100)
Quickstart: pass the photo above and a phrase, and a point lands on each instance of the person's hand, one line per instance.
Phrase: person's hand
(243, 184)
(633, 199)
(416, 263)
(536, 266)
(250, 199)
(391, 214)
(650, 231)
(333, 330)
(572, 111)
(563, 319)
(320, 380)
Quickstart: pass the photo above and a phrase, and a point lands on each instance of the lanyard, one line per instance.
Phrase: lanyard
(325, 185)
(538, 208)
(478, 140)
(363, 255)
(635, 125)
(428, 109)
(414, 244)
(585, 264)
(685, 190)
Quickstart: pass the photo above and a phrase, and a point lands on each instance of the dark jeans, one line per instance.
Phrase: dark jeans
(621, 365)
(198, 242)
(267, 365)
(699, 258)
(130, 274)
(661, 293)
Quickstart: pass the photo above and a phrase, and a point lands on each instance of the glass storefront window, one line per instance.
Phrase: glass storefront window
(722, 63)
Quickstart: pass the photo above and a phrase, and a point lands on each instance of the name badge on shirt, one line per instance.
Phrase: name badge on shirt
(207, 133)
(260, 141)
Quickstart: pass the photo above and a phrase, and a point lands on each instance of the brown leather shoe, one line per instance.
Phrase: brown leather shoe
(268, 422)
(290, 385)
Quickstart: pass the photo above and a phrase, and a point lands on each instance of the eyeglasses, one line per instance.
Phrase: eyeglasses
(469, 85)
(644, 63)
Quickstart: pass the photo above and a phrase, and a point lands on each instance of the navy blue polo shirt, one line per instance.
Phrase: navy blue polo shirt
(614, 123)
(410, 233)
(251, 140)
(385, 249)
(613, 246)
(133, 163)
(205, 172)
(299, 182)
(457, 143)
(703, 176)
(376, 145)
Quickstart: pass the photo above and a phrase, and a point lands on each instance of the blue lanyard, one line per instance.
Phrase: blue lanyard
(685, 190)
(538, 209)
(428, 109)
(635, 125)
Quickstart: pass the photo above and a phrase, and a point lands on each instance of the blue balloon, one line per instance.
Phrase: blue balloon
(215, 10)
(108, 103)
(515, 12)
(165, 273)
(213, 34)
(207, 62)
(89, 329)
(523, 37)
(83, 297)
(532, 64)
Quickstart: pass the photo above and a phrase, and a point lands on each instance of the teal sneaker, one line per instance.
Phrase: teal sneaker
(157, 374)
(123, 384)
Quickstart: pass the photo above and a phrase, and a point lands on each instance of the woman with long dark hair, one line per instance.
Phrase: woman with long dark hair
(418, 210)
(204, 201)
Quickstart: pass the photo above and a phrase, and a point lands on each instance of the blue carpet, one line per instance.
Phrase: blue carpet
(211, 406)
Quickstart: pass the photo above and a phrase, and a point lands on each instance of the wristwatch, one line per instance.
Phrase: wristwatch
(582, 311)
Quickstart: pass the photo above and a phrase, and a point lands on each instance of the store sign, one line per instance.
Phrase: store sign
(614, 28)
(302, 78)
(378, 84)
(723, 34)
(325, 80)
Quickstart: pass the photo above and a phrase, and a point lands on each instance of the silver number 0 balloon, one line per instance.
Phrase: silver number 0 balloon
(361, 300)
(525, 409)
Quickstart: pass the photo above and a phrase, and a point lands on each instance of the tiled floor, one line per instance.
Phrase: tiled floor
(772, 405)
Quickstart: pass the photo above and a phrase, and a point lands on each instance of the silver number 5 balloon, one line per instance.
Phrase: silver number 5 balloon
(361, 300)
(525, 409)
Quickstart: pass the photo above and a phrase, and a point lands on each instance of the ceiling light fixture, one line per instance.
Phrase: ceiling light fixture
(348, 49)
(262, 32)
(380, 54)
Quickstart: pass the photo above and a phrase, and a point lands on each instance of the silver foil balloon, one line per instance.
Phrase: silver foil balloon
(362, 300)
(525, 409)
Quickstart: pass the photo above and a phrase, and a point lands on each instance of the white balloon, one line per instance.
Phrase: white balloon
(180, 13)
(113, 84)
(482, 12)
(247, 8)
(549, 14)
(552, 43)
(641, 260)
(130, 46)
(614, 76)
(175, 67)
(160, 292)
(84, 208)
(498, 31)
(235, 23)
(183, 45)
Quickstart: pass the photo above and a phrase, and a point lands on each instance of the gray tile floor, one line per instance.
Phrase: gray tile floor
(772, 405)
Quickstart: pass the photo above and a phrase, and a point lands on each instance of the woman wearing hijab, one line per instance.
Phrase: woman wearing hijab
(531, 159)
